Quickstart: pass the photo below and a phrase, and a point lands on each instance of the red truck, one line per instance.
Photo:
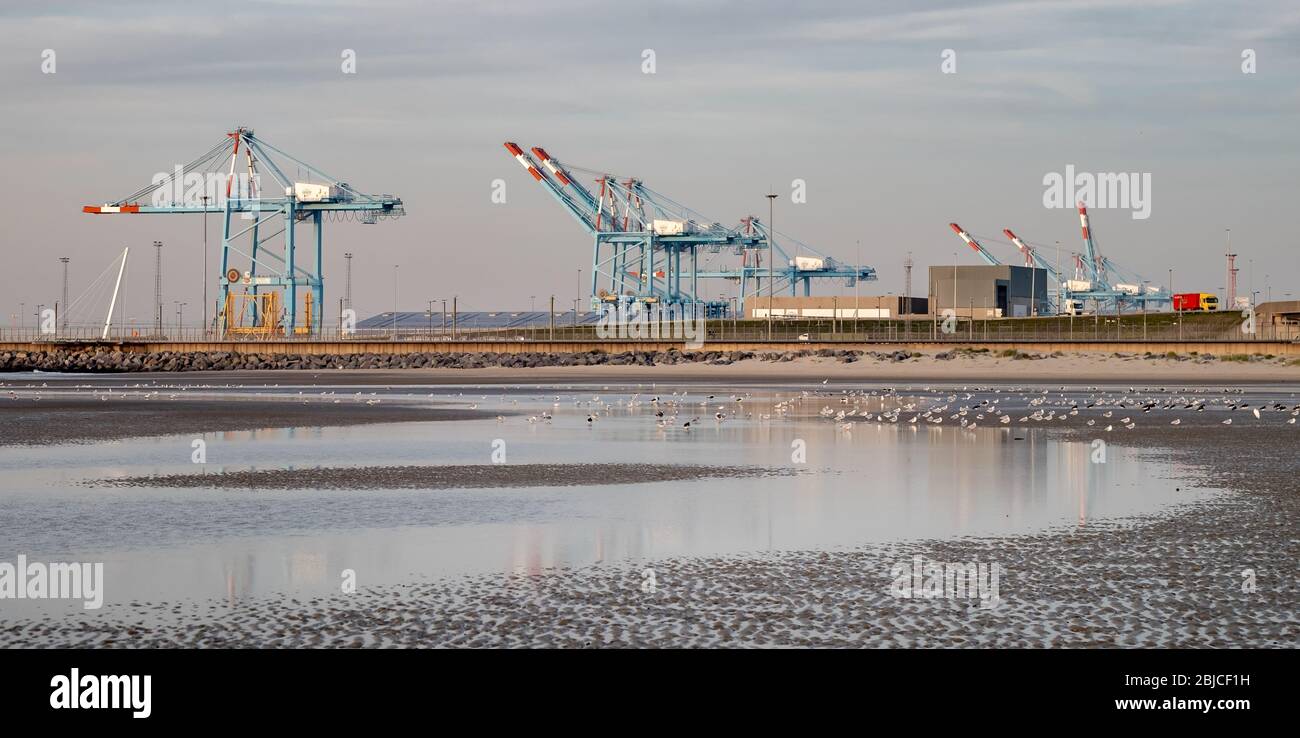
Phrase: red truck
(1190, 301)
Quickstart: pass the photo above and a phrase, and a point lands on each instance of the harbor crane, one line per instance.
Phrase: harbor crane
(1092, 277)
(260, 277)
(641, 238)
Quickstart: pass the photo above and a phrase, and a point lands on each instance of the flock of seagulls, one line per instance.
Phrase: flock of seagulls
(1107, 409)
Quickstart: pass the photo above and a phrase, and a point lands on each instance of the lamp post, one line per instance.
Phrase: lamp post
(771, 260)
(395, 302)
(205, 264)
(429, 314)
(1144, 310)
(1178, 311)
(62, 315)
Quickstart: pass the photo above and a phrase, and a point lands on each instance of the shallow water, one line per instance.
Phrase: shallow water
(873, 483)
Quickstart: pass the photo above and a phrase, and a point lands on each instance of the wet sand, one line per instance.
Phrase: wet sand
(1171, 580)
(1214, 573)
(467, 476)
(30, 422)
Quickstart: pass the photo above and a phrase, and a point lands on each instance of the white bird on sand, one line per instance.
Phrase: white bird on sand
(1177, 421)
(1256, 412)
(1228, 421)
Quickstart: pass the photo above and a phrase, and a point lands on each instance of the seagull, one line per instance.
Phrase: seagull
(1177, 421)
(1228, 421)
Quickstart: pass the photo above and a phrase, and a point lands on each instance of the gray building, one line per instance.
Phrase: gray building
(986, 291)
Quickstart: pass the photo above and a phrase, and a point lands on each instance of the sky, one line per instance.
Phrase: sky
(859, 100)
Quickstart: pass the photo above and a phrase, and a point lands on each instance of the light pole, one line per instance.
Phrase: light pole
(180, 314)
(857, 268)
(63, 306)
(444, 316)
(954, 286)
(429, 314)
(395, 302)
(532, 303)
(347, 283)
(205, 264)
(1228, 298)
(1178, 312)
(157, 285)
(1144, 310)
(1033, 292)
(771, 260)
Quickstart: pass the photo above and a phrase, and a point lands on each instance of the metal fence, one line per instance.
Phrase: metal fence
(1129, 328)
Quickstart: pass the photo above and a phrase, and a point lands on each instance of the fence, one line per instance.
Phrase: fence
(1133, 328)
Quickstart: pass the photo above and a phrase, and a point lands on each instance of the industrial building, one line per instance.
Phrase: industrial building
(850, 307)
(989, 291)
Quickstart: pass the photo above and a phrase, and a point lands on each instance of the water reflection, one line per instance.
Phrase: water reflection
(870, 483)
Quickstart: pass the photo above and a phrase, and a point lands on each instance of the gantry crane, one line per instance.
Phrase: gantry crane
(1092, 273)
(641, 237)
(251, 302)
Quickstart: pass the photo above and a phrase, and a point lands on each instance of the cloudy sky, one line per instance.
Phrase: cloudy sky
(848, 96)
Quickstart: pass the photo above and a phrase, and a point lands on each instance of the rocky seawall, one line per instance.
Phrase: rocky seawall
(110, 361)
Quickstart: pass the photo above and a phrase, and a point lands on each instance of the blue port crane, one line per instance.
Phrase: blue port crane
(262, 296)
(1109, 283)
(1096, 278)
(641, 239)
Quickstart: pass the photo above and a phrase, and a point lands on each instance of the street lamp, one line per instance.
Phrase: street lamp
(395, 302)
(771, 260)
(205, 263)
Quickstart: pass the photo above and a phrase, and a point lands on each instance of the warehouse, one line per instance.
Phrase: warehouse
(986, 291)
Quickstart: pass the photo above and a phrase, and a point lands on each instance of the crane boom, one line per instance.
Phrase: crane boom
(983, 252)
(1092, 256)
(648, 247)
